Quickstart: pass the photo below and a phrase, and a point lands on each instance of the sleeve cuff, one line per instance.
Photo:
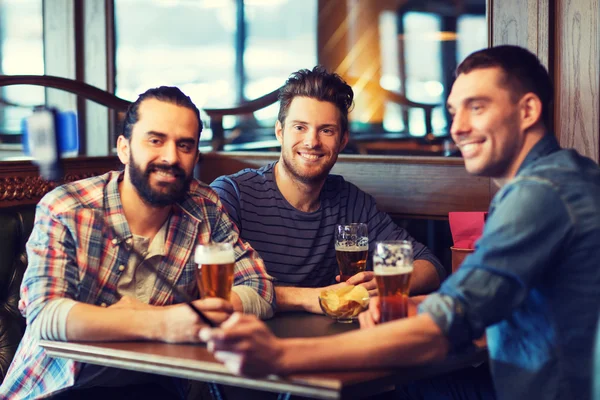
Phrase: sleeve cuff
(450, 316)
(51, 322)
(252, 302)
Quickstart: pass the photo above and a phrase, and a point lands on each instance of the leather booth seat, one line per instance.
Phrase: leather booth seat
(16, 224)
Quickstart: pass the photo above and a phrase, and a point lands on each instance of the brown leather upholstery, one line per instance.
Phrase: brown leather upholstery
(15, 227)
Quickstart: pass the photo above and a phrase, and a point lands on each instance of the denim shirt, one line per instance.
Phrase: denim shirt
(533, 281)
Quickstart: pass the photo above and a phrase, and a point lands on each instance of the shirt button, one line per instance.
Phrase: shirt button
(115, 241)
(103, 305)
(121, 268)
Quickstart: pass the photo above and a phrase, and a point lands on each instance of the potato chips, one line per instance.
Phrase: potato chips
(346, 302)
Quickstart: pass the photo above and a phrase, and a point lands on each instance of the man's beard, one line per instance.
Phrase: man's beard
(141, 181)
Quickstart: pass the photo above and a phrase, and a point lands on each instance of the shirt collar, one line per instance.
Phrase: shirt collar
(547, 144)
(113, 208)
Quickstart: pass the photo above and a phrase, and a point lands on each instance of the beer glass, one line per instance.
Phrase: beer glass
(351, 249)
(393, 266)
(214, 275)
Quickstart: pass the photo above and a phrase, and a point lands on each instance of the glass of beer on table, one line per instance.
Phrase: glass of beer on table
(351, 249)
(393, 267)
(214, 275)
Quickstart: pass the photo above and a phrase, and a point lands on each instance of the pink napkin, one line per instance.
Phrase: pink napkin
(466, 227)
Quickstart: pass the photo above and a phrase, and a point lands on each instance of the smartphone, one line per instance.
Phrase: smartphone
(42, 140)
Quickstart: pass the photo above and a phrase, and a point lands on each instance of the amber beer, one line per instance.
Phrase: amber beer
(215, 270)
(393, 286)
(351, 260)
(351, 249)
(393, 267)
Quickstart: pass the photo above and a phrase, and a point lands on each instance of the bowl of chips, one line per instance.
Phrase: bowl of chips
(344, 304)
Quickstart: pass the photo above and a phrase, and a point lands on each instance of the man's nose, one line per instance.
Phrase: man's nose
(169, 154)
(311, 139)
(460, 125)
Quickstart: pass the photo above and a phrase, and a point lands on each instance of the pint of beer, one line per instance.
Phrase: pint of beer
(351, 249)
(393, 266)
(214, 275)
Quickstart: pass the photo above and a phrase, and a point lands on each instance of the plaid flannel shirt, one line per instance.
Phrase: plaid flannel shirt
(72, 254)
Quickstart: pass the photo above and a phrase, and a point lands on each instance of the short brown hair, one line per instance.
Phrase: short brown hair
(523, 73)
(320, 85)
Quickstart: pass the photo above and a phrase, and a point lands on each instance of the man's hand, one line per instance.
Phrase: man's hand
(181, 324)
(370, 317)
(245, 345)
(366, 279)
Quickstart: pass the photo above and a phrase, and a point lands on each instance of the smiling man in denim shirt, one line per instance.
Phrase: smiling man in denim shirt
(533, 282)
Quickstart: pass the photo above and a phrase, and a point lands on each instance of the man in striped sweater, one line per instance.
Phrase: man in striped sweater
(288, 210)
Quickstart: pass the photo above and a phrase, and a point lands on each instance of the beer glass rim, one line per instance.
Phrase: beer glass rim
(385, 246)
(394, 242)
(353, 224)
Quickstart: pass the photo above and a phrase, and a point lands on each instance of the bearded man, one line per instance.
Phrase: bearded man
(97, 245)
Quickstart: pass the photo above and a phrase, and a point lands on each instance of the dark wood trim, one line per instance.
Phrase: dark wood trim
(79, 88)
(80, 62)
(490, 22)
(247, 108)
(20, 183)
(111, 67)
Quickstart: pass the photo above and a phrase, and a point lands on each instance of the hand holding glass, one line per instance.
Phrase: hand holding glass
(393, 267)
(351, 249)
(214, 275)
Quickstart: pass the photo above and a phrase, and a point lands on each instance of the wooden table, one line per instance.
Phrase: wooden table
(195, 362)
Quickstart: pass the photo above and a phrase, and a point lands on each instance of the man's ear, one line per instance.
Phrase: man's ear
(279, 132)
(344, 141)
(123, 149)
(530, 110)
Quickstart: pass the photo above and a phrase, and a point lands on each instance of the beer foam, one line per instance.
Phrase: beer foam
(351, 248)
(386, 270)
(216, 257)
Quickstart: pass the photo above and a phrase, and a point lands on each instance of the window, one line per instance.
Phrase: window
(434, 44)
(225, 52)
(219, 52)
(21, 52)
(277, 45)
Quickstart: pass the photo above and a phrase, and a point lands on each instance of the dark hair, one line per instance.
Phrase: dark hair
(523, 72)
(320, 85)
(169, 94)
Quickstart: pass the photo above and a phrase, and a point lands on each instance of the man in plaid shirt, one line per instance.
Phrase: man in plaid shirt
(86, 280)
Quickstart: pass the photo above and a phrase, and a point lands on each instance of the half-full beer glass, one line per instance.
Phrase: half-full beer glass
(351, 249)
(393, 266)
(214, 275)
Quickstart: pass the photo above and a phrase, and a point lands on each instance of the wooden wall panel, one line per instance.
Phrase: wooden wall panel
(524, 23)
(577, 108)
(427, 187)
